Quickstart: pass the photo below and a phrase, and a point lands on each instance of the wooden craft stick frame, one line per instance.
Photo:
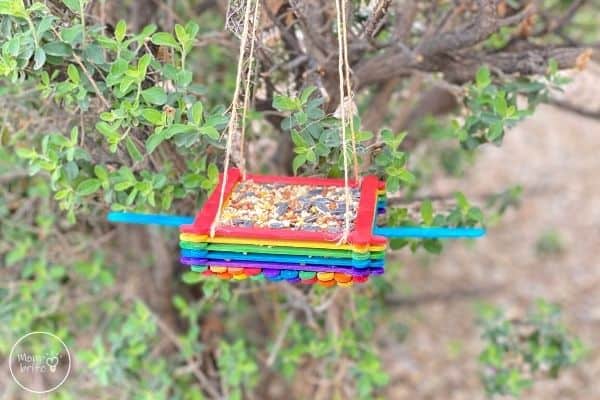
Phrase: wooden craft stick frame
(361, 235)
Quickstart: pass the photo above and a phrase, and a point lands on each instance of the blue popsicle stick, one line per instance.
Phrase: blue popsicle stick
(149, 219)
(387, 231)
(428, 232)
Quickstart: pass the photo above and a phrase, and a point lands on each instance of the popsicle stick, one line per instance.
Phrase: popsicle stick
(387, 231)
(428, 232)
(149, 219)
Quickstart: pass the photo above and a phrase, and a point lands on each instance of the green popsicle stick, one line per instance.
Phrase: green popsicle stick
(280, 250)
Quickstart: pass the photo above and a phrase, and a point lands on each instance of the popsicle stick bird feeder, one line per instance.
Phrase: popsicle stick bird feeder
(296, 229)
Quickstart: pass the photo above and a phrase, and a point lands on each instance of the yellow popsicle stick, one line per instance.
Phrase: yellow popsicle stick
(190, 237)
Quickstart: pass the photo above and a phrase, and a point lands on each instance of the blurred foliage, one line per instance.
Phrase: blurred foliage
(550, 243)
(517, 350)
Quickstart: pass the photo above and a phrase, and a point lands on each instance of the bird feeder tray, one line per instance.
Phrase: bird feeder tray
(287, 228)
(274, 209)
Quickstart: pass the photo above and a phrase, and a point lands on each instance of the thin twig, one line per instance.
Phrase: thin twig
(280, 338)
(169, 334)
(87, 74)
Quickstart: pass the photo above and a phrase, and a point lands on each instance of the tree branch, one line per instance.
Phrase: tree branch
(373, 23)
(460, 70)
(557, 24)
(395, 62)
(529, 62)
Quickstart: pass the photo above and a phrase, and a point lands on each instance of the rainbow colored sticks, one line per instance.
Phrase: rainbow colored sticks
(288, 229)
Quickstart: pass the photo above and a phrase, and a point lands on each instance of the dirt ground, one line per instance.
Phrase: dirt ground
(555, 155)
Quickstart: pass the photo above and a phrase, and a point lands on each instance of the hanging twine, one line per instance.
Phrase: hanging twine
(232, 125)
(341, 28)
(247, 96)
(349, 92)
(344, 82)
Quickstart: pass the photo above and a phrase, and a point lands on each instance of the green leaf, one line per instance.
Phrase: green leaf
(18, 253)
(212, 172)
(132, 196)
(143, 66)
(191, 277)
(121, 186)
(462, 202)
(72, 34)
(209, 131)
(106, 130)
(191, 180)
(101, 172)
(119, 67)
(94, 54)
(61, 194)
(500, 104)
(155, 95)
(427, 212)
(180, 303)
(363, 136)
(301, 117)
(39, 58)
(73, 74)
(483, 78)
(25, 152)
(330, 138)
(516, 383)
(59, 140)
(298, 140)
(475, 214)
(495, 132)
(299, 160)
(181, 34)
(407, 177)
(88, 186)
(73, 5)
(195, 113)
(284, 103)
(306, 94)
(176, 129)
(45, 25)
(153, 116)
(58, 49)
(154, 140)
(74, 135)
(192, 29)
(164, 39)
(433, 246)
(552, 66)
(12, 46)
(183, 78)
(120, 30)
(133, 151)
(16, 8)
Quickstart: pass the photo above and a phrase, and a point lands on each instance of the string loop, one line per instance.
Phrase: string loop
(233, 120)
(344, 81)
(344, 84)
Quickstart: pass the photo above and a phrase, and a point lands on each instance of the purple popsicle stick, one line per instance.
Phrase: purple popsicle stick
(278, 266)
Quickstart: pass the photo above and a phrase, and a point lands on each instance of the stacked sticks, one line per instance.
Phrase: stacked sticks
(287, 229)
